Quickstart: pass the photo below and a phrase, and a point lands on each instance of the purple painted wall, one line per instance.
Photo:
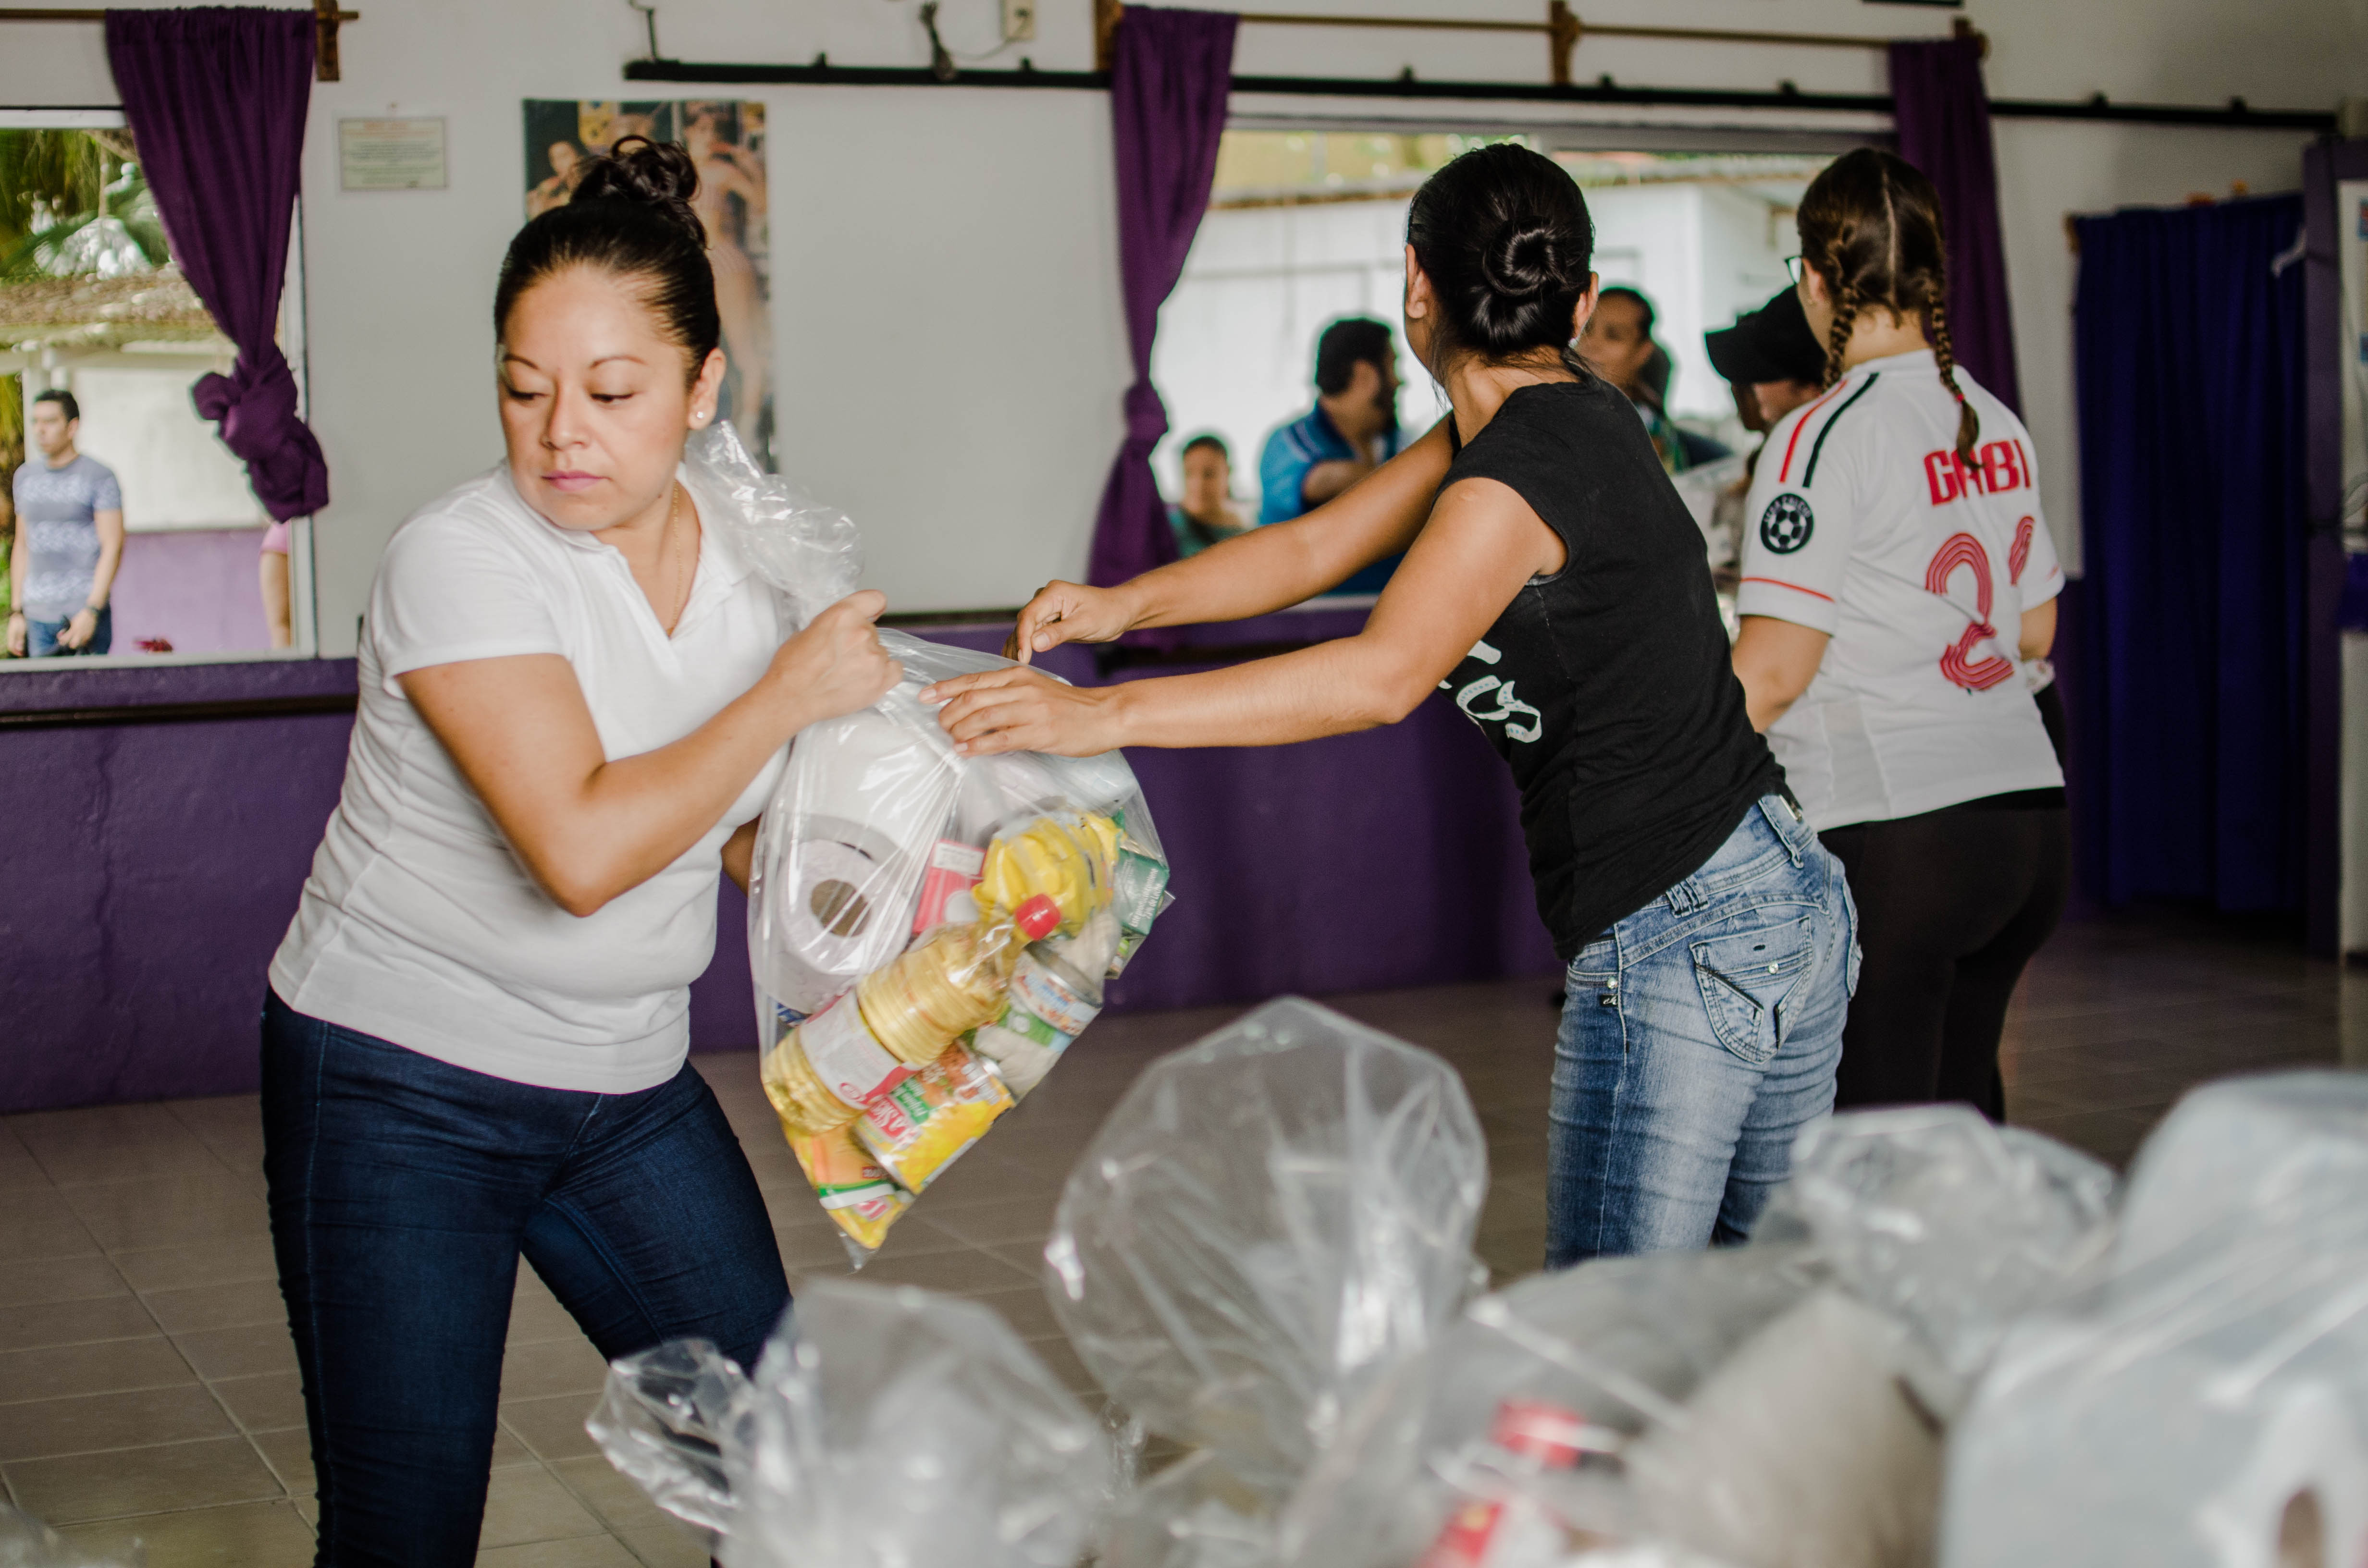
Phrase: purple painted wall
(201, 588)
(148, 870)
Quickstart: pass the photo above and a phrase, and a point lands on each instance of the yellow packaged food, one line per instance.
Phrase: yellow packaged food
(854, 1191)
(1069, 858)
(916, 1129)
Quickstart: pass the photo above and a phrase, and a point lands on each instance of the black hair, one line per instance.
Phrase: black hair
(1504, 236)
(64, 399)
(1346, 343)
(631, 215)
(1207, 438)
(1634, 297)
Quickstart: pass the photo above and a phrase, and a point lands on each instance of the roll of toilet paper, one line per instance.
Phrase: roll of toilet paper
(844, 906)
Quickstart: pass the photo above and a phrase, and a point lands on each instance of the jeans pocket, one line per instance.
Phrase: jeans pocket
(1746, 979)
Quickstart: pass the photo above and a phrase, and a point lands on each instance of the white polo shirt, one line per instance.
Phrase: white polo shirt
(1864, 525)
(418, 925)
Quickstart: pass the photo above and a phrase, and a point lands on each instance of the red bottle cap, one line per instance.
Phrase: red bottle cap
(1037, 917)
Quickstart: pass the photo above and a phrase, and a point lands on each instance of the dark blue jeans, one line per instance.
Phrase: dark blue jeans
(404, 1191)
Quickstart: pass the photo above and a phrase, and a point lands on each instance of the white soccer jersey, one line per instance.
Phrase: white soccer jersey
(1863, 524)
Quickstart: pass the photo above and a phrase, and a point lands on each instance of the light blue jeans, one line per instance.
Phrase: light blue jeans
(1700, 1035)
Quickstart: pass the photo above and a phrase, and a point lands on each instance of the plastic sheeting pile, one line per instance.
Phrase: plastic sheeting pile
(885, 1427)
(929, 932)
(2208, 1404)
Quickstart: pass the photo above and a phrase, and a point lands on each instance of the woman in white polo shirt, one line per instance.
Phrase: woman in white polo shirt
(1897, 576)
(574, 701)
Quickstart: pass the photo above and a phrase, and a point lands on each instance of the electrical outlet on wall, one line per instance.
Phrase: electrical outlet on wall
(1018, 21)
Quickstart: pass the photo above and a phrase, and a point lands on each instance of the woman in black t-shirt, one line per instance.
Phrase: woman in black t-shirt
(1556, 586)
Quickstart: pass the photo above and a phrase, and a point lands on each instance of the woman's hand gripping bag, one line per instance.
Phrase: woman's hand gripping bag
(928, 932)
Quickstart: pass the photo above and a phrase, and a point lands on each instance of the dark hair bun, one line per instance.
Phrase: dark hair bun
(1520, 263)
(1505, 238)
(658, 175)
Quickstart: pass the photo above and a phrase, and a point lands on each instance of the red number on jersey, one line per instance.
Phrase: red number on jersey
(1957, 666)
(2019, 556)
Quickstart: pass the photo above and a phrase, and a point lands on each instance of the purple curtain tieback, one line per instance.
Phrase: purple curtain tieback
(256, 407)
(216, 97)
(1146, 416)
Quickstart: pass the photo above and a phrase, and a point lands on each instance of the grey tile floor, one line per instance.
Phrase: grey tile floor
(148, 1388)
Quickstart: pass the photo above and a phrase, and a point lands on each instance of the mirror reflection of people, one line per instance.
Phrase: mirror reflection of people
(1773, 364)
(69, 538)
(1554, 584)
(279, 605)
(1619, 344)
(1898, 581)
(1206, 513)
(726, 170)
(1352, 430)
(574, 701)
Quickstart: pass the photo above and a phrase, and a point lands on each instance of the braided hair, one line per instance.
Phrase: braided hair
(1870, 227)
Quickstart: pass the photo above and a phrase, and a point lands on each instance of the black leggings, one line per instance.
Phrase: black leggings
(1951, 904)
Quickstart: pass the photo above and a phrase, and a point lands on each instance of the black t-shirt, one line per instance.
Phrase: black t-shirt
(1608, 687)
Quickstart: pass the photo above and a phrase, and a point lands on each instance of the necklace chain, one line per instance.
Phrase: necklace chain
(682, 597)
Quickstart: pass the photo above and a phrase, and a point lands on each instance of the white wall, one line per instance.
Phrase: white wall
(951, 347)
(174, 472)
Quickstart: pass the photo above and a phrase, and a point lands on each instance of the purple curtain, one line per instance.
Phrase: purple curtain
(215, 97)
(1169, 76)
(1943, 115)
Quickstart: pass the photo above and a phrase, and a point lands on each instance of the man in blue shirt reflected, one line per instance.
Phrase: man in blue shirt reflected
(1352, 430)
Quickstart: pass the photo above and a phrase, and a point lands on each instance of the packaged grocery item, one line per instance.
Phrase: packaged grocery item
(855, 1188)
(895, 883)
(887, 1426)
(916, 1129)
(1055, 992)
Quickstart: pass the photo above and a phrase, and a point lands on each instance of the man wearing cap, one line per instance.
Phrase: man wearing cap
(1774, 364)
(1771, 359)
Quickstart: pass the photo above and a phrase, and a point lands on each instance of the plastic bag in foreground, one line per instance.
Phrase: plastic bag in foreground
(1951, 1224)
(26, 1542)
(892, 1427)
(1509, 1431)
(665, 1418)
(2207, 1407)
(1267, 1223)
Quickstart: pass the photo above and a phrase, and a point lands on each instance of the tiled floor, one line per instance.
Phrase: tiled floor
(147, 1387)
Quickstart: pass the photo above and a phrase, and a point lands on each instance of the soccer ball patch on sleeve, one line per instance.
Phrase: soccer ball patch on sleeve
(1787, 524)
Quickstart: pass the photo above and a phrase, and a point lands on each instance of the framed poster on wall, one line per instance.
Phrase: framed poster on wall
(726, 139)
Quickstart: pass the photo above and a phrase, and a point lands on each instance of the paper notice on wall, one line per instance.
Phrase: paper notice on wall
(391, 155)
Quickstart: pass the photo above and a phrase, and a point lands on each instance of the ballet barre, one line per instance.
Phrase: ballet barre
(326, 19)
(1563, 28)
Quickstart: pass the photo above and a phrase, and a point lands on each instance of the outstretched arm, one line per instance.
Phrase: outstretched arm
(1263, 570)
(1480, 547)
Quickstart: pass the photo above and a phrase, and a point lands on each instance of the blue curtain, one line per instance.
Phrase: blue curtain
(2188, 673)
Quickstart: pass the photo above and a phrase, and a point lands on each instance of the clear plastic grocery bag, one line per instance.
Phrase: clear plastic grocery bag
(1268, 1223)
(2207, 1405)
(1951, 1224)
(887, 1426)
(1504, 1444)
(26, 1542)
(928, 932)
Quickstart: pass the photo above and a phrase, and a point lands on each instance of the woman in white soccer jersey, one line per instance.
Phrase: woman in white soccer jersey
(1896, 576)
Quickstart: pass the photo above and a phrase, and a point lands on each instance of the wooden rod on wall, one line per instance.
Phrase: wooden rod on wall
(1562, 28)
(326, 19)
